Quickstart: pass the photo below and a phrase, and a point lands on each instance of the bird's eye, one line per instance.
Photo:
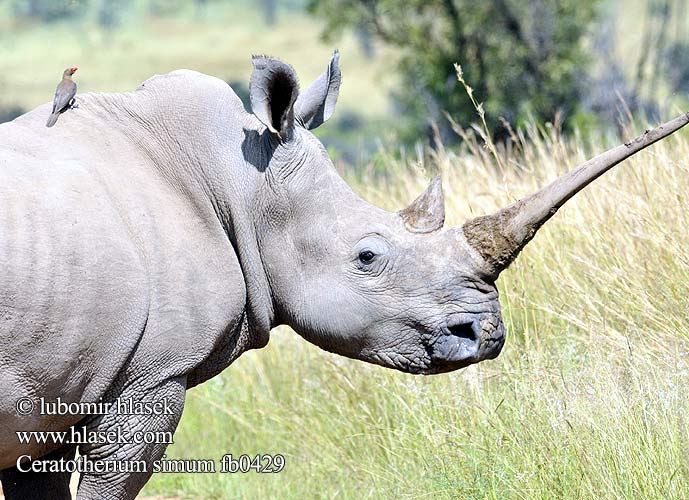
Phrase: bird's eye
(366, 256)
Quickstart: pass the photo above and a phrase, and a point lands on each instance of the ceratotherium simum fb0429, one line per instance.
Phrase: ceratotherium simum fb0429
(152, 237)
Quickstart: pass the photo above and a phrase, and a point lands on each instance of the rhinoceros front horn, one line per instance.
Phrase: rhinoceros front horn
(500, 237)
(427, 212)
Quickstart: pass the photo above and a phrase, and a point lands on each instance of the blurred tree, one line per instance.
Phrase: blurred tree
(663, 57)
(269, 11)
(645, 82)
(163, 8)
(365, 42)
(609, 94)
(109, 15)
(523, 58)
(200, 8)
(49, 10)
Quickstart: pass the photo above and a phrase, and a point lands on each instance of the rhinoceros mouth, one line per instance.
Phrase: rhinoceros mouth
(464, 339)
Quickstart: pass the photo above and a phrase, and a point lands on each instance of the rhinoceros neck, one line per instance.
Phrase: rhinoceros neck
(196, 133)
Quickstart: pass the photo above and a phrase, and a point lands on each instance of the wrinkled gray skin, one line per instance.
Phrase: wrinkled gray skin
(152, 237)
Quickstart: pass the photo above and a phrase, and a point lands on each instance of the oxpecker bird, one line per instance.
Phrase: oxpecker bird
(64, 95)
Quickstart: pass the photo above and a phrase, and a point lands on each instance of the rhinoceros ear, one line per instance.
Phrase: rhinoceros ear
(273, 91)
(317, 103)
(427, 212)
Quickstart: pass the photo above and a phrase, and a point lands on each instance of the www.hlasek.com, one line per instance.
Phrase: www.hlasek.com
(261, 463)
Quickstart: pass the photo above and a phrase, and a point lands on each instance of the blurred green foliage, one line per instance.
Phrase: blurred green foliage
(524, 59)
(49, 10)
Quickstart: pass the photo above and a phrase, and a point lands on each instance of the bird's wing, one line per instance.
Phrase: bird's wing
(56, 98)
(64, 93)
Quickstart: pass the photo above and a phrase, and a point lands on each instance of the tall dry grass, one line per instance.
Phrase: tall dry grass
(588, 399)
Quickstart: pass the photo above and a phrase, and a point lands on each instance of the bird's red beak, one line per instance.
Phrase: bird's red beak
(74, 69)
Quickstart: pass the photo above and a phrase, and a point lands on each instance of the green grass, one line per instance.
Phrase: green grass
(587, 401)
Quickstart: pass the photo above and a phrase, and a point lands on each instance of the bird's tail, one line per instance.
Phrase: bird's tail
(52, 119)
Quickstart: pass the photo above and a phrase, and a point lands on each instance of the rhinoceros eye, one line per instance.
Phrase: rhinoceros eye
(366, 256)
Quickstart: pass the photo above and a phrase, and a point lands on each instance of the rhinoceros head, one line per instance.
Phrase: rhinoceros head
(395, 289)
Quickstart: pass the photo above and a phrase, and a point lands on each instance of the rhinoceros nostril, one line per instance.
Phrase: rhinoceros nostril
(463, 330)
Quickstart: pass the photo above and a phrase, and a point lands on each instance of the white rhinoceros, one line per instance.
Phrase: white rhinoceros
(152, 237)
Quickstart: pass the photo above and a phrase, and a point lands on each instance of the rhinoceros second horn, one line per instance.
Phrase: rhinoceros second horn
(427, 212)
